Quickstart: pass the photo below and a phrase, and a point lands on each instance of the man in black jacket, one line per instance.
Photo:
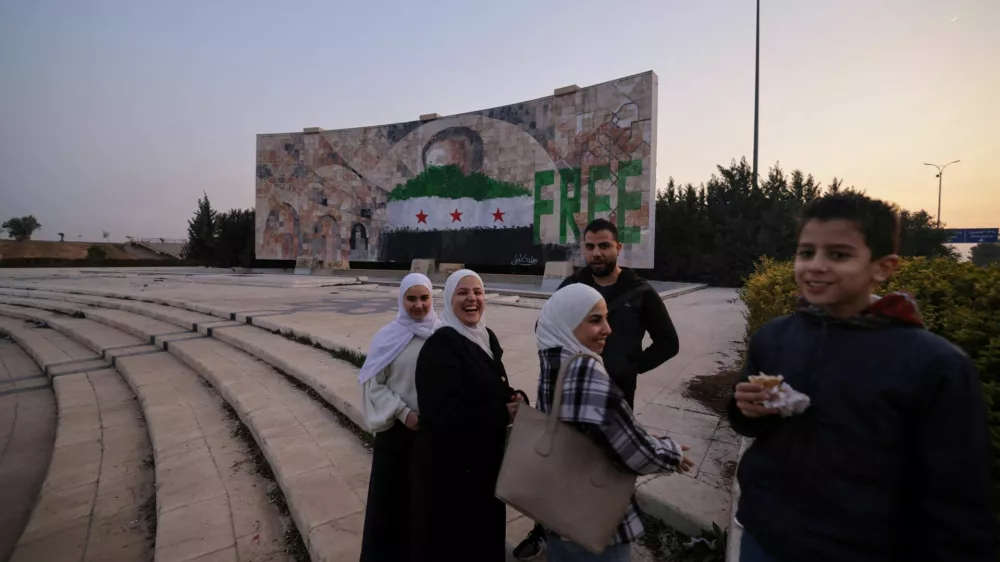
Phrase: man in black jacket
(634, 308)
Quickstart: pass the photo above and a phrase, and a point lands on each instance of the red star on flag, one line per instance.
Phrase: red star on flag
(456, 216)
(421, 217)
(498, 216)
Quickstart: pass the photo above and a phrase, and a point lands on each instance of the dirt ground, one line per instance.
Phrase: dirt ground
(713, 391)
(61, 250)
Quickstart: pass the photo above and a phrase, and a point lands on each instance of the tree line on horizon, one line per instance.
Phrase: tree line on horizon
(715, 233)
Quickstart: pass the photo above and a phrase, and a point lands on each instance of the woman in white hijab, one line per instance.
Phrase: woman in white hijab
(389, 404)
(465, 407)
(573, 326)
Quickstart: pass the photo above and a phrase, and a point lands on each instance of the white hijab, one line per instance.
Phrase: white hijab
(476, 334)
(561, 315)
(393, 338)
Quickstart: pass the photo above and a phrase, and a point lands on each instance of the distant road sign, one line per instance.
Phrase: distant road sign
(973, 235)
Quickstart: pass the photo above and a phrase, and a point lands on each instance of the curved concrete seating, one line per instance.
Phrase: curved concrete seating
(175, 311)
(321, 466)
(50, 305)
(210, 504)
(185, 319)
(334, 381)
(89, 505)
(27, 435)
(52, 351)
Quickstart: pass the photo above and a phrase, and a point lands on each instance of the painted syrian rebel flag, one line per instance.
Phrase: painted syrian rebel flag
(442, 198)
(452, 217)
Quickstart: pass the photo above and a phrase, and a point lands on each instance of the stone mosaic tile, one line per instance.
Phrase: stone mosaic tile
(328, 196)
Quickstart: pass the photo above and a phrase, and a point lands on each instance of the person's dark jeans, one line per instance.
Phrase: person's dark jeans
(750, 551)
(565, 551)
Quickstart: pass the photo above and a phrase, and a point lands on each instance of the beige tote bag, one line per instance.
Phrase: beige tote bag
(559, 477)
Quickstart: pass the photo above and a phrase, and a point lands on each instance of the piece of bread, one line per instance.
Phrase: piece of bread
(767, 381)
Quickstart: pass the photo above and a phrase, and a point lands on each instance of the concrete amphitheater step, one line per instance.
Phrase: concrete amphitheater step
(89, 507)
(320, 465)
(137, 297)
(180, 317)
(52, 305)
(27, 435)
(186, 314)
(333, 379)
(211, 503)
(308, 363)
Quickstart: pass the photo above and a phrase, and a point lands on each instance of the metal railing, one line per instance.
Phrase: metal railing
(160, 240)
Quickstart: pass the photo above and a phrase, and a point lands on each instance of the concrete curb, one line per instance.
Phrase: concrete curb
(529, 294)
(735, 529)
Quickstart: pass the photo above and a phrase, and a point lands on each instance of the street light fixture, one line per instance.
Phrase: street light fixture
(940, 173)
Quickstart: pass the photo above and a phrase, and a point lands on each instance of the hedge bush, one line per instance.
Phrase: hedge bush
(95, 252)
(958, 301)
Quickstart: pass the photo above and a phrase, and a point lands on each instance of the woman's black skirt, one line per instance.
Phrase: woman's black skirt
(387, 517)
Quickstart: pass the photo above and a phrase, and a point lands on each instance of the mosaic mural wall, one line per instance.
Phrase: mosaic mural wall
(509, 185)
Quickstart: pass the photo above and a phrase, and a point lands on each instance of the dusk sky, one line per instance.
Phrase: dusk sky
(117, 115)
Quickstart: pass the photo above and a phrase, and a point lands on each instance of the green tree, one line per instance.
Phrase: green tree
(201, 233)
(984, 254)
(234, 238)
(714, 233)
(920, 236)
(96, 252)
(21, 228)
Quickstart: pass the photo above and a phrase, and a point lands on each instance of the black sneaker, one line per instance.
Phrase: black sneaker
(532, 545)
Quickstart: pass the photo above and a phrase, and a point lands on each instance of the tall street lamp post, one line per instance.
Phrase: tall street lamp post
(756, 95)
(940, 173)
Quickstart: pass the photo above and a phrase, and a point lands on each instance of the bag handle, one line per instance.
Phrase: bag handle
(547, 440)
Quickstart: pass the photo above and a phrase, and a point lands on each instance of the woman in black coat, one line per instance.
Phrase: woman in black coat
(465, 407)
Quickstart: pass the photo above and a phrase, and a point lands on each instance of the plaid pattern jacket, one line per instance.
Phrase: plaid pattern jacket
(595, 406)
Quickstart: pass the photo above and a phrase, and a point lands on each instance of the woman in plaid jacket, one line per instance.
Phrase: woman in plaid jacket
(574, 321)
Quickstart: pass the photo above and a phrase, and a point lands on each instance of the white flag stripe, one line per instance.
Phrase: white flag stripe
(437, 212)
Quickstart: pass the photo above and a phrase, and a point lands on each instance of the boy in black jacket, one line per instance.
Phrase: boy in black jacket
(891, 461)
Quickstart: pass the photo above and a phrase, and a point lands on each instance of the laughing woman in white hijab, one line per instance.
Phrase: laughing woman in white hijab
(575, 321)
(389, 404)
(465, 406)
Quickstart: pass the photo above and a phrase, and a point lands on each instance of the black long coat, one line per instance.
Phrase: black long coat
(462, 395)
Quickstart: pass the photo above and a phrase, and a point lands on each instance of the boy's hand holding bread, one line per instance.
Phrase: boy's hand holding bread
(751, 395)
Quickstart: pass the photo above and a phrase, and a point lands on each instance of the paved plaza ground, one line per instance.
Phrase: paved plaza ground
(347, 313)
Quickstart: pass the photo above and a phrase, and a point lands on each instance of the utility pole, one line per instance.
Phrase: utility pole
(940, 173)
(756, 96)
